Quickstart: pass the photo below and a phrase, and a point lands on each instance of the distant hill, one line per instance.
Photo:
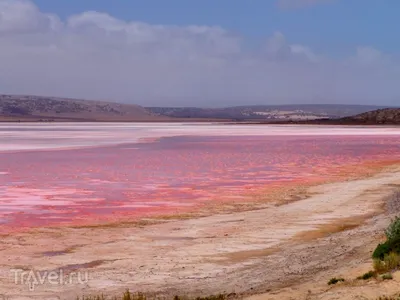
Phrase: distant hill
(386, 116)
(37, 108)
(266, 112)
(48, 109)
(380, 116)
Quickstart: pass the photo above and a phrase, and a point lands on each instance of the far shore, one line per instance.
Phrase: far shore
(331, 122)
(317, 122)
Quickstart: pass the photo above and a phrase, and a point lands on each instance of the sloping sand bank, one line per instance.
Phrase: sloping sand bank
(288, 251)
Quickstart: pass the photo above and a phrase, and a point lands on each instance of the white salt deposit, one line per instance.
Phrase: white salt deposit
(29, 136)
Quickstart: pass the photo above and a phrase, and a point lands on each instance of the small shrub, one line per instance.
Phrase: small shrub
(214, 297)
(387, 276)
(140, 296)
(367, 275)
(389, 298)
(392, 260)
(379, 266)
(127, 296)
(335, 280)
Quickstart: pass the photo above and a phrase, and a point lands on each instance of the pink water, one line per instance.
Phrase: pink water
(172, 175)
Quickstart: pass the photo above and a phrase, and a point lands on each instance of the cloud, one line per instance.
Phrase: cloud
(17, 16)
(96, 56)
(306, 52)
(279, 49)
(368, 55)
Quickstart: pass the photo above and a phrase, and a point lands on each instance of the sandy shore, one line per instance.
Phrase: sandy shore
(277, 252)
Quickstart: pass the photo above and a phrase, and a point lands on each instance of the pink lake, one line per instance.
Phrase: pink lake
(82, 174)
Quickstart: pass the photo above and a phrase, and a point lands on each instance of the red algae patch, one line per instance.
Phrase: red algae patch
(176, 175)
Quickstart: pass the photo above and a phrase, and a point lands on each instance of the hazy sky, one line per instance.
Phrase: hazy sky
(203, 53)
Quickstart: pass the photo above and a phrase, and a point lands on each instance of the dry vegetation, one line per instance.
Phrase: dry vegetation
(140, 296)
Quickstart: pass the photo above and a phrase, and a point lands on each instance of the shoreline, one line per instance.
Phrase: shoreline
(246, 252)
(223, 121)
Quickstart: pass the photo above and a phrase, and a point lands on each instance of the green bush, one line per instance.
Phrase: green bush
(387, 248)
(392, 243)
(381, 250)
(393, 231)
(395, 245)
